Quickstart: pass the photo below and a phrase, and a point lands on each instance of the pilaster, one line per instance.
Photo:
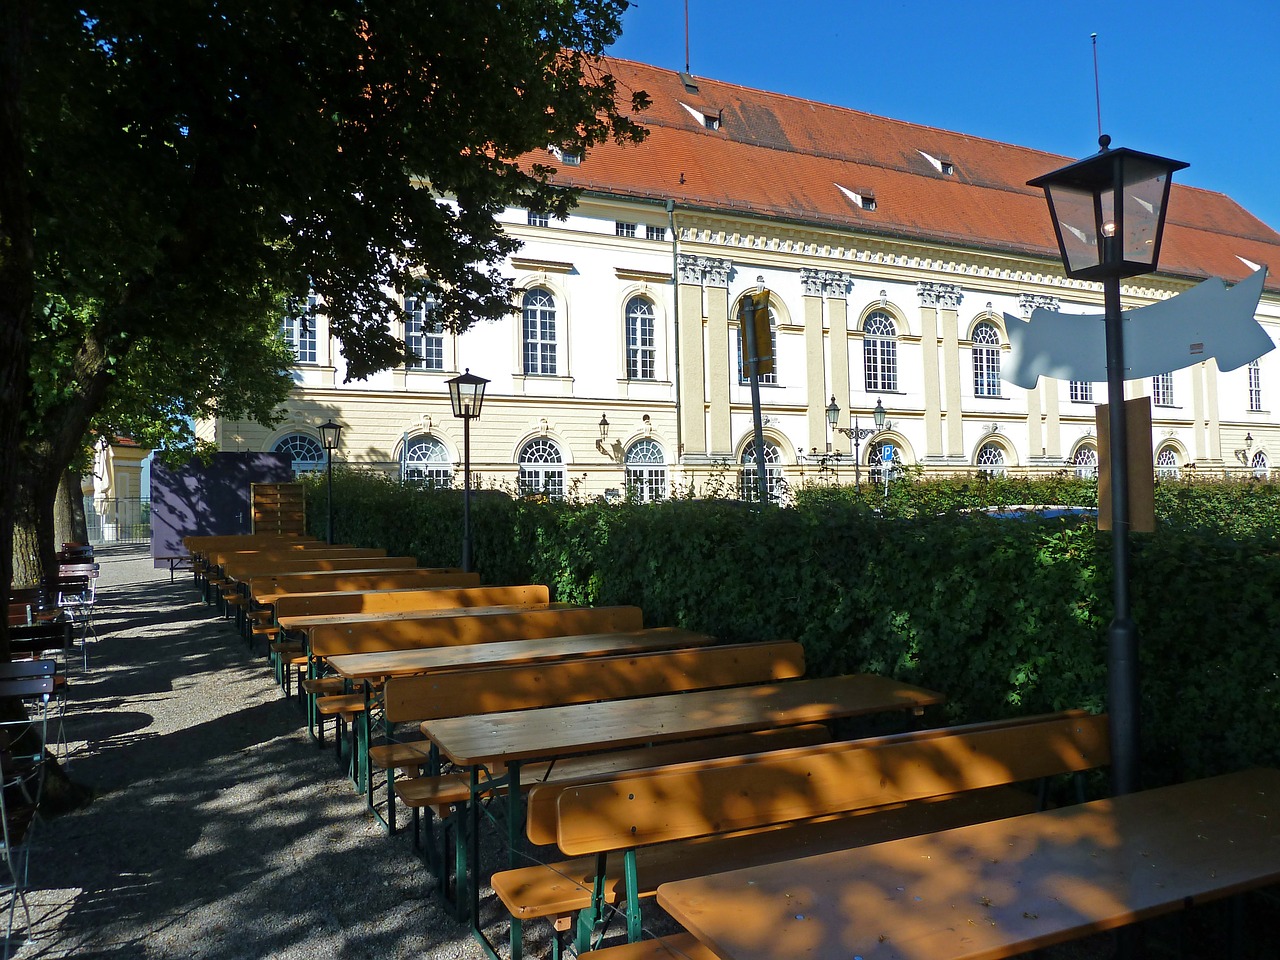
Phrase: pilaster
(834, 287)
(947, 296)
(694, 375)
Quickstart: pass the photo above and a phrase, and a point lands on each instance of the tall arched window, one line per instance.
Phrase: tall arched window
(539, 333)
(743, 372)
(991, 459)
(1259, 464)
(880, 353)
(1085, 462)
(1255, 385)
(986, 360)
(750, 485)
(641, 345)
(541, 469)
(426, 460)
(423, 335)
(1166, 462)
(646, 471)
(306, 452)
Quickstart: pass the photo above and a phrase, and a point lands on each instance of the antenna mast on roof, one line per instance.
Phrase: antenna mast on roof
(686, 37)
(1097, 93)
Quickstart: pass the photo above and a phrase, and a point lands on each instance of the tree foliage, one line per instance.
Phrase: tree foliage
(175, 175)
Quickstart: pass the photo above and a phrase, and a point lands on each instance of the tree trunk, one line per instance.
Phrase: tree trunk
(17, 277)
(69, 524)
(33, 547)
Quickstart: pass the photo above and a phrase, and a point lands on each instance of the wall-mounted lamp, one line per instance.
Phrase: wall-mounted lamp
(604, 427)
(1242, 454)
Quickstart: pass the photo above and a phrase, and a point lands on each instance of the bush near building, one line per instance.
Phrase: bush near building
(1005, 616)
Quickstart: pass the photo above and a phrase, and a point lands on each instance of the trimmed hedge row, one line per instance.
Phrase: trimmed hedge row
(1005, 616)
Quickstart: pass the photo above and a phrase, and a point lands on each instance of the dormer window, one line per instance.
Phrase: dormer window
(942, 164)
(569, 158)
(710, 121)
(864, 199)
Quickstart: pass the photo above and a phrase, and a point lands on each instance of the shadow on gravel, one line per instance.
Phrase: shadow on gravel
(219, 830)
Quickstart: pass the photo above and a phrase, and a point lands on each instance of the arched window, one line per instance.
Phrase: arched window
(880, 353)
(539, 333)
(1259, 464)
(1086, 462)
(743, 372)
(882, 456)
(772, 472)
(299, 328)
(646, 471)
(423, 335)
(641, 346)
(306, 452)
(991, 459)
(426, 461)
(1167, 462)
(986, 360)
(541, 469)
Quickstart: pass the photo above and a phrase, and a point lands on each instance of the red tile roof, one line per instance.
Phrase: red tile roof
(782, 157)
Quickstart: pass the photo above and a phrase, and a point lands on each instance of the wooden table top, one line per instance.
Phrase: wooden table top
(243, 570)
(266, 587)
(403, 663)
(581, 728)
(998, 889)
(301, 623)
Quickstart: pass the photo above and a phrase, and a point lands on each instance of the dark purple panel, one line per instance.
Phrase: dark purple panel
(212, 500)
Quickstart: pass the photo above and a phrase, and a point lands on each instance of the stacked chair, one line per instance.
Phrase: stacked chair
(75, 591)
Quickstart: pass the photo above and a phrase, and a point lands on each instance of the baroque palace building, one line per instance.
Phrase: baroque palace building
(892, 252)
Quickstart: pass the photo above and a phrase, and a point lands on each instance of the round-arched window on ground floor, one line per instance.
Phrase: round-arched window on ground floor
(991, 459)
(306, 452)
(646, 471)
(426, 461)
(541, 469)
(749, 486)
(1085, 462)
(1167, 462)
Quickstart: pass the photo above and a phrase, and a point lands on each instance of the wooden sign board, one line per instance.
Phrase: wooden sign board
(1142, 469)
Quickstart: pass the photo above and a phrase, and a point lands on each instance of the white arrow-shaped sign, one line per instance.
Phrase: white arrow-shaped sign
(1206, 321)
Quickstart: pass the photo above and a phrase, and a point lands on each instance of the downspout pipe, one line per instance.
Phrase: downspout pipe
(675, 316)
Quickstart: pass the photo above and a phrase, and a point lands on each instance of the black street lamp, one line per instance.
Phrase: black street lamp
(466, 394)
(856, 433)
(1108, 213)
(330, 434)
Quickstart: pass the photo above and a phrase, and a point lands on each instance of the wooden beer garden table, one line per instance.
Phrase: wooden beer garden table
(483, 743)
(382, 665)
(997, 889)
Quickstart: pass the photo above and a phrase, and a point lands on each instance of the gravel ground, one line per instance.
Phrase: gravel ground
(217, 829)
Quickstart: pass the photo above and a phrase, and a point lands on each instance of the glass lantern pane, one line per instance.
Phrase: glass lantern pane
(1077, 227)
(1145, 187)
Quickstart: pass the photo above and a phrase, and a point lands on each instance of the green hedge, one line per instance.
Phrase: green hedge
(1004, 616)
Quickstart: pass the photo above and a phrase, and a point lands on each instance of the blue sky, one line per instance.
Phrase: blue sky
(1192, 80)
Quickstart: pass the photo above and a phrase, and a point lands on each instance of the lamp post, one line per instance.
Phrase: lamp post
(330, 434)
(1108, 214)
(466, 394)
(856, 433)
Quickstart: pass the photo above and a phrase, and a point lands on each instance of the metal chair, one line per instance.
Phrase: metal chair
(22, 752)
(77, 593)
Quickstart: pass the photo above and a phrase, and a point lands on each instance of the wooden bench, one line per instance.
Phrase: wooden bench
(696, 819)
(527, 686)
(441, 628)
